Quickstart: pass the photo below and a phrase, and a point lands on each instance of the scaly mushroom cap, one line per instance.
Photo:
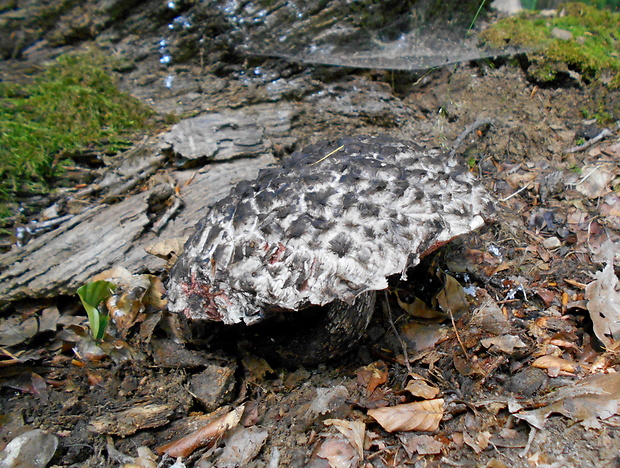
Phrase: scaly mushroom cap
(336, 220)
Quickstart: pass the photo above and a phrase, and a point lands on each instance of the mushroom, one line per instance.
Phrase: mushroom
(327, 228)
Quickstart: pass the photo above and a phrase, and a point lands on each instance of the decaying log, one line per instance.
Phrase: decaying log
(107, 235)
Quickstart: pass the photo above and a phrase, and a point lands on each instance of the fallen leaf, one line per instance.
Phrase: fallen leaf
(338, 452)
(555, 365)
(421, 336)
(519, 179)
(49, 319)
(204, 436)
(603, 298)
(30, 382)
(546, 295)
(479, 443)
(256, 367)
(418, 387)
(167, 248)
(417, 416)
(353, 430)
(372, 375)
(489, 316)
(452, 297)
(155, 293)
(505, 343)
(595, 397)
(15, 330)
(418, 308)
(467, 366)
(422, 444)
(595, 181)
(242, 446)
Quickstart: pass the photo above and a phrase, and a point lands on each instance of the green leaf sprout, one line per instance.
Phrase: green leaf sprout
(92, 295)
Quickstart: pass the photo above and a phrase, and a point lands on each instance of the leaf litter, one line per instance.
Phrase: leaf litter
(497, 347)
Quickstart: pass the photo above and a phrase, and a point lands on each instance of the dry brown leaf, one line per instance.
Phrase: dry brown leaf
(595, 181)
(505, 343)
(595, 397)
(452, 297)
(555, 365)
(546, 295)
(467, 366)
(338, 452)
(242, 446)
(418, 387)
(117, 275)
(133, 294)
(519, 179)
(418, 416)
(471, 442)
(418, 308)
(372, 375)
(168, 248)
(421, 336)
(204, 436)
(603, 295)
(489, 316)
(155, 293)
(420, 443)
(124, 309)
(15, 330)
(353, 430)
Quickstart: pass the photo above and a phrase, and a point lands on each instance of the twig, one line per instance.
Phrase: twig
(516, 193)
(456, 332)
(9, 354)
(327, 156)
(400, 340)
(596, 139)
(170, 212)
(530, 439)
(478, 123)
(583, 179)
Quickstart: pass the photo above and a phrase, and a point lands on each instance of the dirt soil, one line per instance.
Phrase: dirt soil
(520, 294)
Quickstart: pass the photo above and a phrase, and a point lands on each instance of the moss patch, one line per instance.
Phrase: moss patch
(580, 39)
(72, 104)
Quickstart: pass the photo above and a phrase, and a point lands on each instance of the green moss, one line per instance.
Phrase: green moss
(72, 104)
(592, 51)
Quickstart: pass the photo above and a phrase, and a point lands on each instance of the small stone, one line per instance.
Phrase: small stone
(168, 354)
(33, 449)
(214, 386)
(561, 34)
(552, 243)
(527, 382)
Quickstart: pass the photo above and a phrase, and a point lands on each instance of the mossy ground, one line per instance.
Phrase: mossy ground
(593, 51)
(72, 104)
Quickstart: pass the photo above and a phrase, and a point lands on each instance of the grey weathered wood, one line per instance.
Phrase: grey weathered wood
(107, 235)
(103, 236)
(221, 136)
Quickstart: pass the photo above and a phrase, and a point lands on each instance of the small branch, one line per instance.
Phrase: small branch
(400, 340)
(530, 439)
(516, 193)
(458, 336)
(169, 214)
(596, 139)
(478, 123)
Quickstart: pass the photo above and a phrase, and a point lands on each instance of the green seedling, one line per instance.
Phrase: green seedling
(92, 296)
